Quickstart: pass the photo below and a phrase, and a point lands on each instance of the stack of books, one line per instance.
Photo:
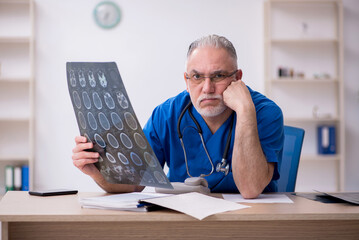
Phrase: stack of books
(16, 178)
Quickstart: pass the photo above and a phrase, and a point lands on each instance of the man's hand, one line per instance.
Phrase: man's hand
(84, 160)
(238, 98)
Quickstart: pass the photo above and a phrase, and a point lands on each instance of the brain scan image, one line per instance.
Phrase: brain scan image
(92, 121)
(82, 79)
(72, 78)
(136, 159)
(82, 120)
(105, 117)
(122, 100)
(86, 99)
(97, 100)
(126, 141)
(160, 177)
(140, 141)
(116, 120)
(112, 140)
(105, 170)
(92, 80)
(99, 140)
(146, 177)
(109, 101)
(110, 158)
(151, 160)
(123, 158)
(105, 124)
(130, 120)
(102, 78)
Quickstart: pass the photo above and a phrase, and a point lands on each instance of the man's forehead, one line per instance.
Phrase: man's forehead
(209, 50)
(209, 58)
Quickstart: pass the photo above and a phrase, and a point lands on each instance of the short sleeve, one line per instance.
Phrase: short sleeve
(271, 134)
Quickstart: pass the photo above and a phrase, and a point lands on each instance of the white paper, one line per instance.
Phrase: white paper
(124, 201)
(196, 204)
(262, 198)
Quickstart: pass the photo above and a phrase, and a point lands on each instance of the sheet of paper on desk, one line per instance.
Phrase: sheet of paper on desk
(124, 202)
(196, 204)
(262, 198)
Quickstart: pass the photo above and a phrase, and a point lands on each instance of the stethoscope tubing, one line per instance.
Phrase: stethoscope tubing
(221, 167)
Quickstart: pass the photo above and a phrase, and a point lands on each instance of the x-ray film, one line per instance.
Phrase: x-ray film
(105, 117)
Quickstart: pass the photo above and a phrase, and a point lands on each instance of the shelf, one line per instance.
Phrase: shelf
(310, 119)
(15, 79)
(14, 2)
(334, 157)
(304, 80)
(14, 119)
(15, 39)
(305, 40)
(14, 158)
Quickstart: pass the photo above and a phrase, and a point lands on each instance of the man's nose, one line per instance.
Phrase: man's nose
(208, 85)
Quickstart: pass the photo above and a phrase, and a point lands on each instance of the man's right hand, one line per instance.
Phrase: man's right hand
(84, 160)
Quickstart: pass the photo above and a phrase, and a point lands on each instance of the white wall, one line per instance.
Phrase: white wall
(149, 46)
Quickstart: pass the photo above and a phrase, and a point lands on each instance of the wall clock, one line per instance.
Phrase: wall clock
(107, 14)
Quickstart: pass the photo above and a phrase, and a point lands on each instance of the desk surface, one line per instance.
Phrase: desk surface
(61, 217)
(20, 206)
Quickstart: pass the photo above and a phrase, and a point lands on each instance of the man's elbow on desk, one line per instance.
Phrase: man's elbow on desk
(248, 193)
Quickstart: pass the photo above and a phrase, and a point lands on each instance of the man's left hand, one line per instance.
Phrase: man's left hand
(238, 98)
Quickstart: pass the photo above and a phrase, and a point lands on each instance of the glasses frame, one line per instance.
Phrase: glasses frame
(211, 78)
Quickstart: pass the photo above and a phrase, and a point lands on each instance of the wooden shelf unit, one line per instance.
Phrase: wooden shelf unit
(306, 37)
(16, 86)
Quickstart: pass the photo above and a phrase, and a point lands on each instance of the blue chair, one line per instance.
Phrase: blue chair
(293, 141)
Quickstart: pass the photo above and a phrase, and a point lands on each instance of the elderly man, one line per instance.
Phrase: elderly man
(218, 105)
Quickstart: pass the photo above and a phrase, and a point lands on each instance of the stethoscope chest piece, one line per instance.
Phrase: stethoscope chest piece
(223, 167)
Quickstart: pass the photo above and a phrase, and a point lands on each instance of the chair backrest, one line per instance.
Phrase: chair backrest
(293, 141)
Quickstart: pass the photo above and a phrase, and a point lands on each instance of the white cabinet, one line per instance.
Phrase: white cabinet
(303, 61)
(16, 85)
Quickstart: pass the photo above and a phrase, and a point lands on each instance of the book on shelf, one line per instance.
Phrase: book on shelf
(16, 178)
(9, 178)
(25, 178)
(326, 139)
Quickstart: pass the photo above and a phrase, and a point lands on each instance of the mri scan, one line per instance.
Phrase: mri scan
(105, 117)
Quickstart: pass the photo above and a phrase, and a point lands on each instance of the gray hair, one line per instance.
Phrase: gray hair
(216, 42)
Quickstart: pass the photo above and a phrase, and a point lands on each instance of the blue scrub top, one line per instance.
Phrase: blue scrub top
(161, 132)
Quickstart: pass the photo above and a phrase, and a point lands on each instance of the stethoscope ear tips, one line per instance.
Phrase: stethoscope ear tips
(223, 167)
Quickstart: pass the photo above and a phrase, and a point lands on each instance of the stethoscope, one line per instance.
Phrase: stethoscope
(223, 166)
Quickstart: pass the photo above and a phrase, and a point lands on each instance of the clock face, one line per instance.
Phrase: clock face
(107, 14)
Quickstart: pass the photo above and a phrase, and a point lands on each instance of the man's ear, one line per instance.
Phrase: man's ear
(185, 79)
(239, 74)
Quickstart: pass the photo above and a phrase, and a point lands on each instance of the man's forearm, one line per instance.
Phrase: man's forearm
(251, 171)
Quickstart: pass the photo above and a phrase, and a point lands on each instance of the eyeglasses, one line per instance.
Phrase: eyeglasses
(215, 78)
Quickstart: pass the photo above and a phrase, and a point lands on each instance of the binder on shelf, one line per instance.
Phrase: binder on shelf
(25, 178)
(17, 178)
(9, 178)
(326, 140)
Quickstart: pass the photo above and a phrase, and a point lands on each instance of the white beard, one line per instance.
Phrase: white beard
(210, 111)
